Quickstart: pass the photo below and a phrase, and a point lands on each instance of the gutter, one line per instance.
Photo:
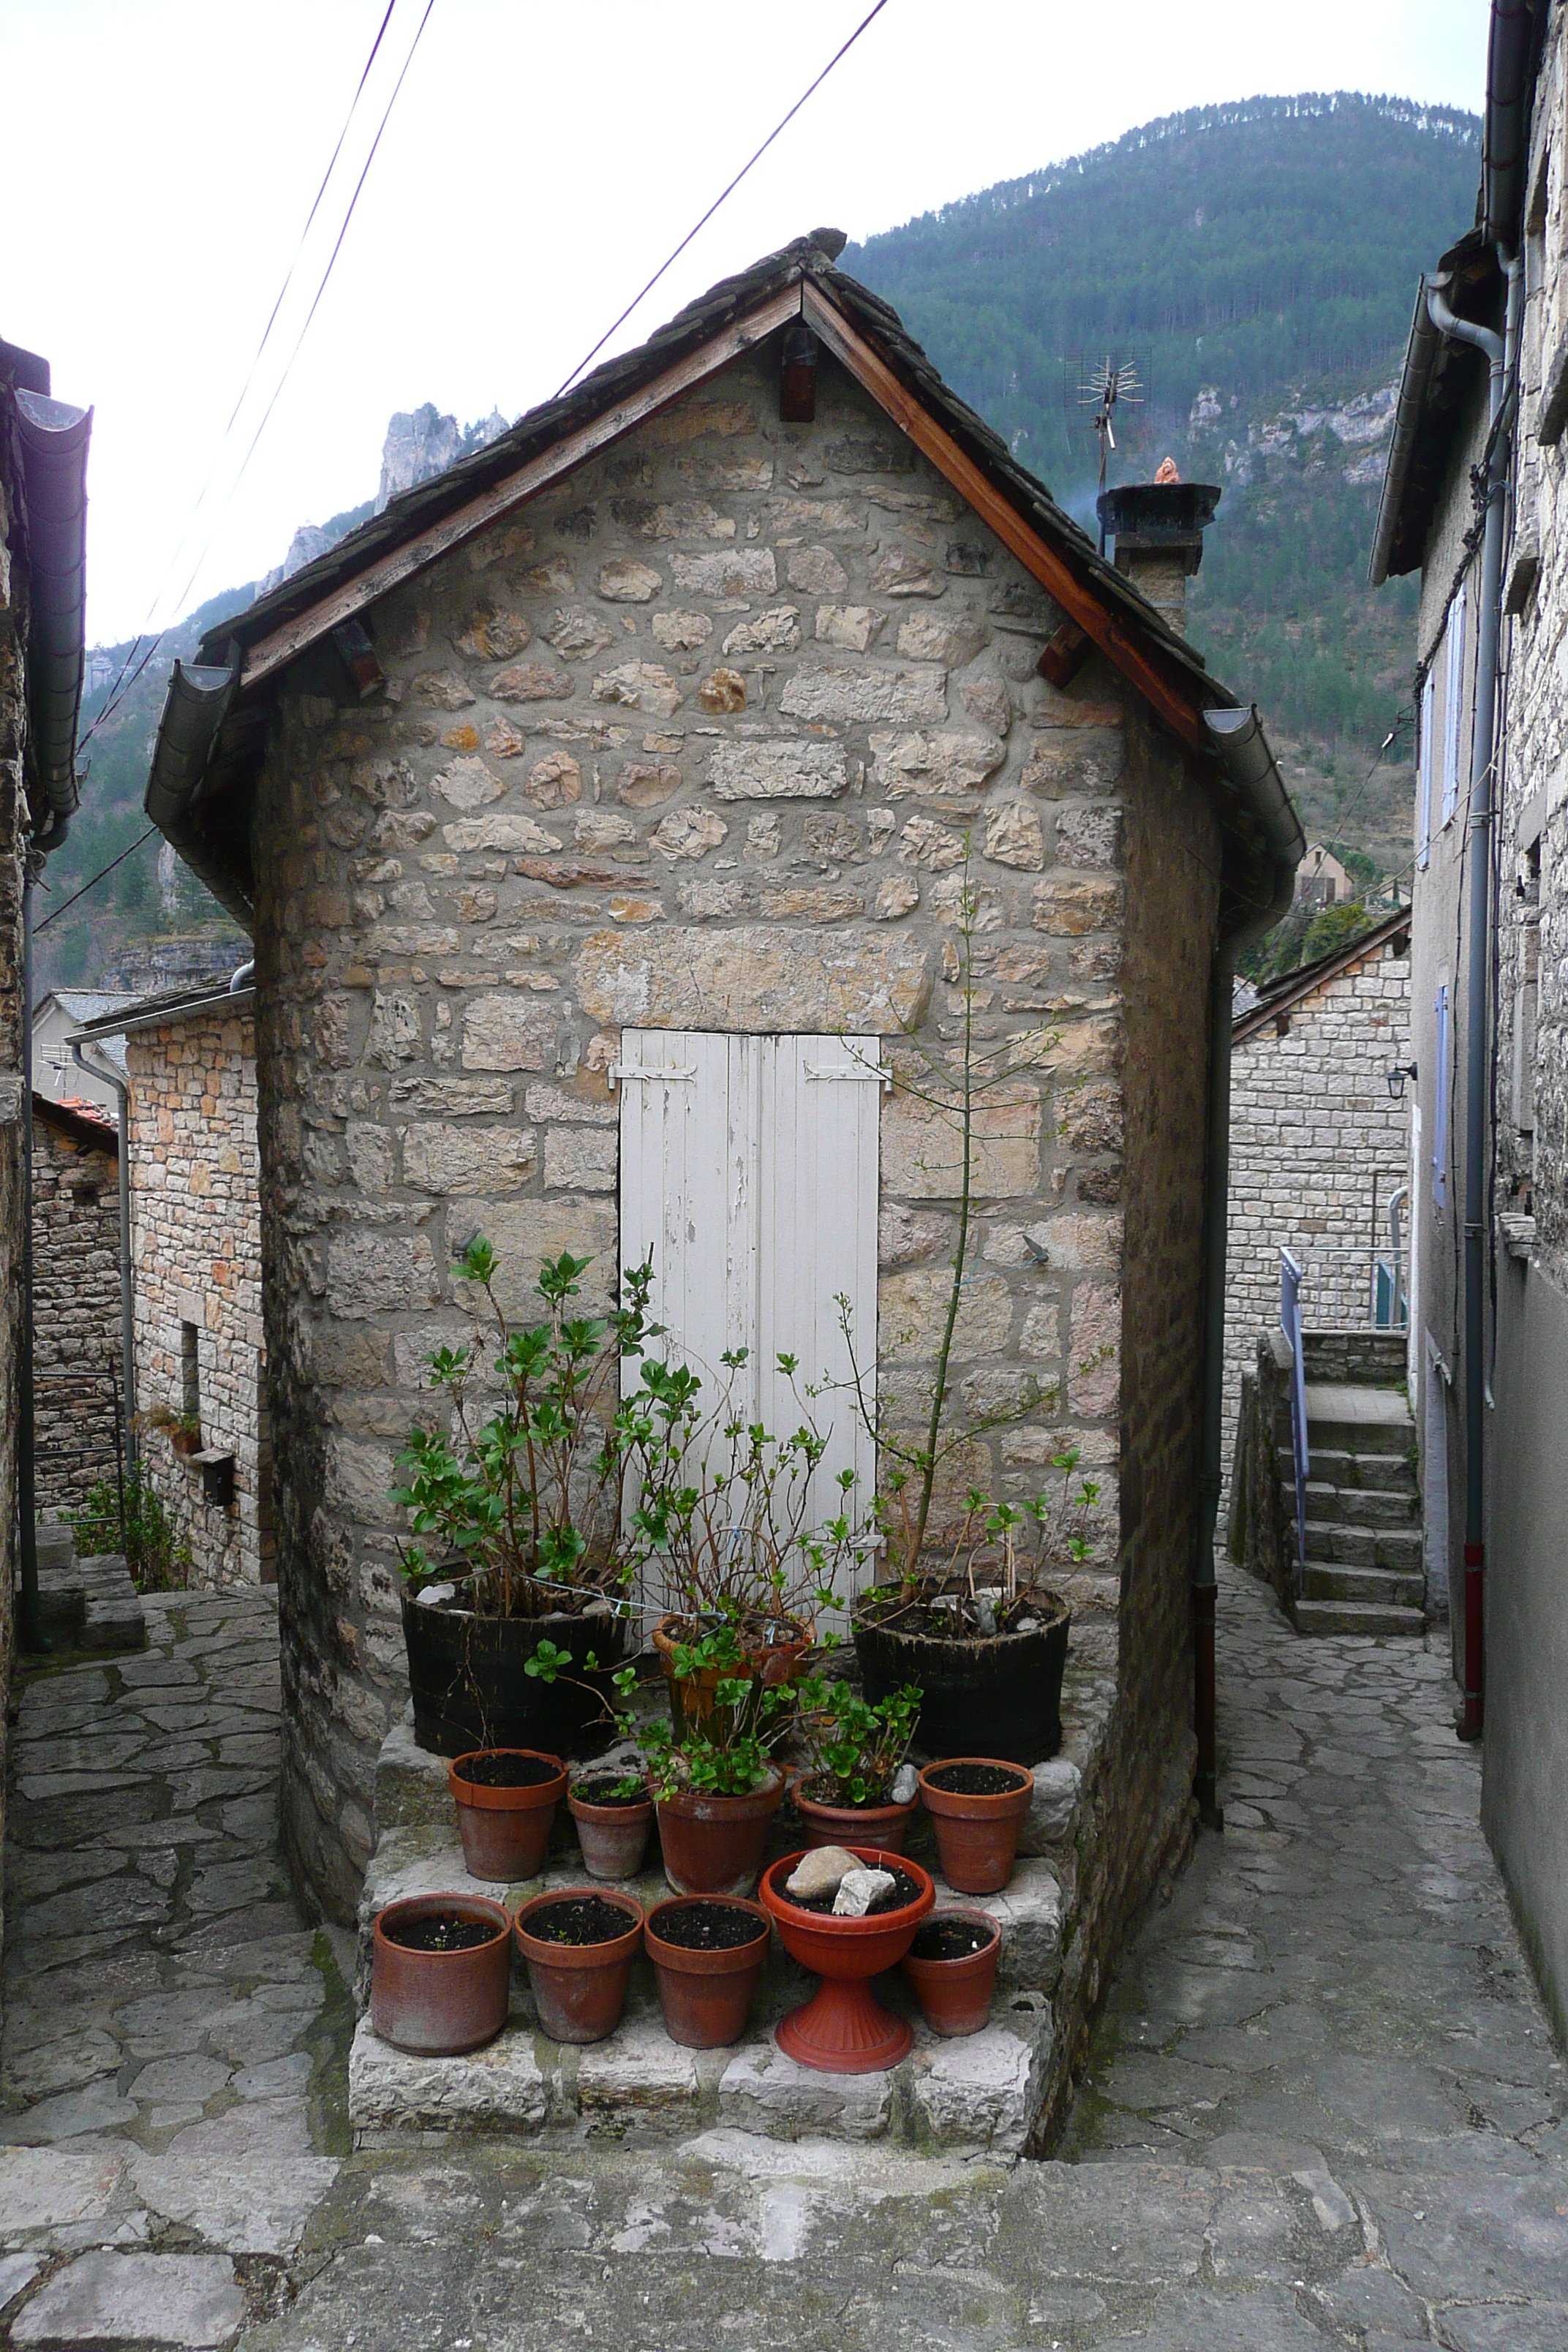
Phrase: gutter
(1241, 750)
(227, 999)
(1420, 352)
(197, 703)
(111, 1076)
(53, 438)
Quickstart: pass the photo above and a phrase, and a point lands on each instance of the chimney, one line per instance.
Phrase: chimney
(1158, 529)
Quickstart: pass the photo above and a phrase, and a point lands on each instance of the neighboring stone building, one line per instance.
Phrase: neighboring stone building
(197, 1252)
(1319, 1145)
(1321, 880)
(1489, 1294)
(604, 794)
(56, 1017)
(77, 1372)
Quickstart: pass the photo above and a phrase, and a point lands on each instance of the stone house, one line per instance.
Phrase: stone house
(1475, 499)
(196, 1252)
(56, 1017)
(77, 1373)
(1321, 880)
(1319, 1145)
(599, 814)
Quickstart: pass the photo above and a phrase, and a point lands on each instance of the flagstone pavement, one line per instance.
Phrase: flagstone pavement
(1323, 2109)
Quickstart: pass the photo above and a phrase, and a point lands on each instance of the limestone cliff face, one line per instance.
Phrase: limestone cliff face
(422, 442)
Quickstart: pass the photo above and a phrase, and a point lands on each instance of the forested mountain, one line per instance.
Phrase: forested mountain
(1259, 262)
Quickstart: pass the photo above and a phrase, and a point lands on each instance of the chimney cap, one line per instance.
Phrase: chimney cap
(1158, 514)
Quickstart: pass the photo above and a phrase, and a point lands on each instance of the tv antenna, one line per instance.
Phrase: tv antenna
(1100, 383)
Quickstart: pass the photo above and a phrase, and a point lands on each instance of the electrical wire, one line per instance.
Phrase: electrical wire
(98, 877)
(668, 264)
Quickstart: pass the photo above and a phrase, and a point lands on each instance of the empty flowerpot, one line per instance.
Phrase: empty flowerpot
(612, 1831)
(977, 1805)
(506, 1799)
(952, 1965)
(843, 2030)
(440, 1973)
(707, 1952)
(579, 1943)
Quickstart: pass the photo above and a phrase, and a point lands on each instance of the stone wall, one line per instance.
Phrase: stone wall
(76, 1306)
(1262, 1536)
(13, 1014)
(197, 1244)
(1317, 1146)
(697, 743)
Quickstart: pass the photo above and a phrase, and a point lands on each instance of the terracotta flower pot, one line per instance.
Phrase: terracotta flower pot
(579, 1990)
(614, 1838)
(977, 1836)
(705, 1995)
(881, 1825)
(713, 1846)
(843, 2031)
(505, 1831)
(956, 1995)
(437, 2004)
(691, 1701)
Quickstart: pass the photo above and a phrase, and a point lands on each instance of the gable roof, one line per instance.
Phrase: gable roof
(212, 734)
(1294, 986)
(87, 1128)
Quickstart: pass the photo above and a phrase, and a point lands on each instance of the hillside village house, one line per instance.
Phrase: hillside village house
(599, 813)
(1474, 501)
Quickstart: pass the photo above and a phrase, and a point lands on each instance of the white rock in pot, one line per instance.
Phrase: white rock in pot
(821, 1871)
(906, 1785)
(859, 1889)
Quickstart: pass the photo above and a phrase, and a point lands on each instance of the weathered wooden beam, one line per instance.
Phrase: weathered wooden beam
(1120, 643)
(1063, 656)
(426, 547)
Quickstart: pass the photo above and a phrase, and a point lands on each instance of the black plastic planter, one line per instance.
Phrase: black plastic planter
(999, 1697)
(468, 1675)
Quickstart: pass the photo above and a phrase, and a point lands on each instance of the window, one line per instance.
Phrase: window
(1454, 704)
(190, 1374)
(1440, 1103)
(749, 1173)
(1424, 769)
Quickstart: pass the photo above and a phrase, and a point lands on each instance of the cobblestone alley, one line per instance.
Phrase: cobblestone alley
(1324, 2108)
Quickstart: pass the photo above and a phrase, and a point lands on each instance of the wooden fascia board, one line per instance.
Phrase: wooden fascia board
(426, 547)
(1120, 642)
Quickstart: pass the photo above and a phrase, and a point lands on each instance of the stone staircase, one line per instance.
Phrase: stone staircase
(85, 1604)
(1365, 1571)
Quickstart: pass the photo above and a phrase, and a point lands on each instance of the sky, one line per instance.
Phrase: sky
(538, 165)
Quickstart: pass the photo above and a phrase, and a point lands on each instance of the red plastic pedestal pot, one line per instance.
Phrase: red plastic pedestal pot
(956, 1995)
(614, 1838)
(438, 2004)
(977, 1837)
(713, 1846)
(579, 1990)
(885, 1826)
(705, 1995)
(843, 2031)
(505, 1831)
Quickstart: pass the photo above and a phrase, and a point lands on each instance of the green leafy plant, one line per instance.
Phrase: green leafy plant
(728, 1754)
(854, 1749)
(521, 1498)
(157, 1557)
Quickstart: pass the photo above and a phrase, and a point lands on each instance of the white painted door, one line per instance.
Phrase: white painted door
(749, 1171)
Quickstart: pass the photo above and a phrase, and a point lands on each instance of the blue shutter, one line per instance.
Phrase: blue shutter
(1424, 769)
(1440, 1106)
(1454, 705)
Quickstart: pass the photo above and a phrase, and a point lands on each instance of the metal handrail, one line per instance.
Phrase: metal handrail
(1290, 1318)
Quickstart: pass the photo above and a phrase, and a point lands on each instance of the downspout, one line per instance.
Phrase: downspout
(111, 1076)
(1502, 352)
(29, 1630)
(1241, 747)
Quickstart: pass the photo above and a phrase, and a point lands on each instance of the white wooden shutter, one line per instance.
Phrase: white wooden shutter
(748, 1168)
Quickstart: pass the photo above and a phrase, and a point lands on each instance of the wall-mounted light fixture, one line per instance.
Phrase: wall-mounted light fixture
(1396, 1078)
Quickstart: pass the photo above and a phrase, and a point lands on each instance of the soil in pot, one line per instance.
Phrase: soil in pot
(612, 1826)
(843, 2031)
(470, 1688)
(952, 1965)
(708, 1953)
(506, 1799)
(440, 1973)
(999, 1695)
(825, 1824)
(713, 1846)
(977, 1806)
(579, 1945)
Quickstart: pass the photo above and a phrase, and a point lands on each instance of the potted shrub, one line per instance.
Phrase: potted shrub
(182, 1430)
(579, 1943)
(716, 1788)
(977, 1805)
(707, 1952)
(613, 1814)
(516, 1504)
(952, 1965)
(843, 2030)
(440, 1973)
(506, 1799)
(850, 1787)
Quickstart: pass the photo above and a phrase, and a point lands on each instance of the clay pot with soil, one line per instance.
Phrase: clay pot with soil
(707, 1952)
(886, 1826)
(844, 2030)
(856, 1788)
(713, 1843)
(613, 1815)
(579, 1943)
(506, 1799)
(952, 1965)
(440, 1973)
(977, 1805)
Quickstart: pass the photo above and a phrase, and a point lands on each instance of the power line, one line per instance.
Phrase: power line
(720, 199)
(97, 879)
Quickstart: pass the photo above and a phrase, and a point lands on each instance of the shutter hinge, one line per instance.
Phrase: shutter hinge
(873, 1070)
(637, 1070)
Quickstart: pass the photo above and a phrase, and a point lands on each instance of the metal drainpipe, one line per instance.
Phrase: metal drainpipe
(29, 1632)
(1502, 353)
(127, 1315)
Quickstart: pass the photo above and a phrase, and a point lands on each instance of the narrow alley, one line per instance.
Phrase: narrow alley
(1324, 2108)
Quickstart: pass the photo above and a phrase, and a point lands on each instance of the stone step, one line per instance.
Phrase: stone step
(1386, 1473)
(91, 1604)
(1358, 1506)
(1354, 1617)
(1337, 1545)
(1380, 1585)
